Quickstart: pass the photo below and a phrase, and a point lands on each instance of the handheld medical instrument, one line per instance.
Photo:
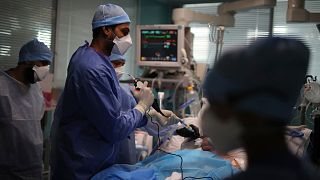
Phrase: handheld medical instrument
(156, 107)
(186, 125)
(155, 104)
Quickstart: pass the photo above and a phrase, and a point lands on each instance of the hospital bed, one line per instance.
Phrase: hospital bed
(196, 163)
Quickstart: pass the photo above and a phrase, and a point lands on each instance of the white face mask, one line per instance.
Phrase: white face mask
(225, 136)
(119, 71)
(121, 45)
(40, 72)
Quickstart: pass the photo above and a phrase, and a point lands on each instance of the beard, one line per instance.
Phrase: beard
(108, 43)
(108, 47)
(29, 75)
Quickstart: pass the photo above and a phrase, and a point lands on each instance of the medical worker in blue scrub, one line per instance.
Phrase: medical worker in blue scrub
(89, 124)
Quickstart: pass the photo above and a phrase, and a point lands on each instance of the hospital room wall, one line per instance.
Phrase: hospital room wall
(153, 12)
(73, 28)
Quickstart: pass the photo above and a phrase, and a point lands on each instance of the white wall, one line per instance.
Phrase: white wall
(74, 27)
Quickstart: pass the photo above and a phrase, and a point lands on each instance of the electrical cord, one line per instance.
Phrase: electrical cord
(181, 163)
(307, 108)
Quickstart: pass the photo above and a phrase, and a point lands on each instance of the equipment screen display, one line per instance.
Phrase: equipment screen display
(159, 45)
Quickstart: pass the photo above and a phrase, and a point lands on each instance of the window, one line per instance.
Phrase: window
(249, 25)
(253, 24)
(20, 22)
(307, 32)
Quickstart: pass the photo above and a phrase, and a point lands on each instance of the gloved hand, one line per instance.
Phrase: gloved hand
(185, 132)
(136, 90)
(141, 85)
(145, 99)
(169, 118)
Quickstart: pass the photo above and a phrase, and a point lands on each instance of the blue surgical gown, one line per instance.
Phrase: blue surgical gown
(89, 124)
(127, 150)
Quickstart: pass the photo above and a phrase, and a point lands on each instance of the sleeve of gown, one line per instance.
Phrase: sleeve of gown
(100, 104)
(133, 103)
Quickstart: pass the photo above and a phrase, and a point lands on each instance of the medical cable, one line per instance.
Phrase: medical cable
(181, 163)
(174, 94)
(186, 104)
(131, 76)
(152, 82)
(193, 79)
(306, 111)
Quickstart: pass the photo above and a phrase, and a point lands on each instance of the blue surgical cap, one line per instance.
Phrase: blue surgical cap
(264, 78)
(115, 57)
(35, 51)
(109, 14)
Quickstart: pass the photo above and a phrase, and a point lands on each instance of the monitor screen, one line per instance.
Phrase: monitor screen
(159, 45)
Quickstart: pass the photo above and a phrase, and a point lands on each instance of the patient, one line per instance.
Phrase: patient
(237, 157)
(250, 96)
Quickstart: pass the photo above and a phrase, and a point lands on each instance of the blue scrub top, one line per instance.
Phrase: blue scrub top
(127, 150)
(89, 123)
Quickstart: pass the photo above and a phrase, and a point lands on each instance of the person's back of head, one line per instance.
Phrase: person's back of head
(264, 78)
(252, 91)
